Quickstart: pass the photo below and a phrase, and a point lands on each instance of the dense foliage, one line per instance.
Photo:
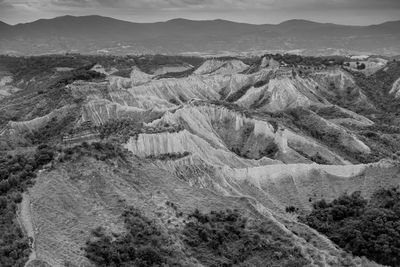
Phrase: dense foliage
(223, 238)
(226, 238)
(292, 59)
(143, 244)
(121, 127)
(16, 174)
(368, 228)
(97, 150)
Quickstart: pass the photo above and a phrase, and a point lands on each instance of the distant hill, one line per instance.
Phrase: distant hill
(93, 34)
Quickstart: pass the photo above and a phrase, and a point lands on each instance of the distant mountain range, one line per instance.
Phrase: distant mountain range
(96, 34)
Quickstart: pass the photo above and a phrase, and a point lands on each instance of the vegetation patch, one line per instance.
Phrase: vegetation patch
(377, 87)
(369, 228)
(218, 238)
(143, 244)
(170, 156)
(238, 94)
(122, 127)
(53, 130)
(309, 123)
(16, 175)
(295, 60)
(97, 150)
(226, 238)
(85, 74)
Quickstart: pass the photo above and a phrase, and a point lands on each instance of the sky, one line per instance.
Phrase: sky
(350, 12)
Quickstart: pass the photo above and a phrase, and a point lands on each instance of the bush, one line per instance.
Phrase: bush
(291, 209)
(365, 228)
(361, 66)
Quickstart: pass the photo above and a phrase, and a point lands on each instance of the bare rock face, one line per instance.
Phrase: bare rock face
(6, 87)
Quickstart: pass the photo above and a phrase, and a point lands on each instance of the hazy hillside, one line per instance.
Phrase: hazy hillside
(93, 34)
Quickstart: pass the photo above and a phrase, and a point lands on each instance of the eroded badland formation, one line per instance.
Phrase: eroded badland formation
(257, 135)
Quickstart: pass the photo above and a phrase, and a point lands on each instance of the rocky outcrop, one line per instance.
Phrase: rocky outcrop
(101, 111)
(396, 89)
(171, 143)
(6, 87)
(139, 77)
(103, 70)
(284, 91)
(237, 135)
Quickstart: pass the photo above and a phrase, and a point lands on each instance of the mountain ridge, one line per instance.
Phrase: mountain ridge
(294, 20)
(91, 34)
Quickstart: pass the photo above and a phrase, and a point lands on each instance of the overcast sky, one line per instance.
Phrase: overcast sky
(355, 12)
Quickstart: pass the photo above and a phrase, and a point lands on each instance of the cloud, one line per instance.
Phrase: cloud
(209, 4)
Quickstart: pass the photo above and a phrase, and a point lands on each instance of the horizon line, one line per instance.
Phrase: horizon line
(199, 20)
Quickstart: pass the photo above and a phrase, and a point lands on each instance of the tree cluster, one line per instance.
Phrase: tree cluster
(364, 227)
(226, 238)
(295, 60)
(16, 174)
(144, 244)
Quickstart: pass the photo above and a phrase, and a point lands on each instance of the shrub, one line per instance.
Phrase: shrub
(361, 66)
(291, 209)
